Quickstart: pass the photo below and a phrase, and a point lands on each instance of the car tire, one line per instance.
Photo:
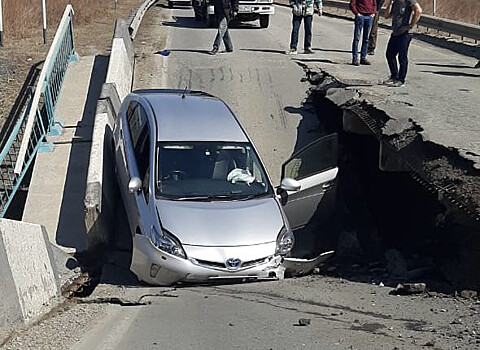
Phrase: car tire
(197, 15)
(264, 21)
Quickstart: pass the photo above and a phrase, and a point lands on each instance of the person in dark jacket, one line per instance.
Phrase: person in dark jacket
(405, 15)
(372, 39)
(225, 11)
(364, 11)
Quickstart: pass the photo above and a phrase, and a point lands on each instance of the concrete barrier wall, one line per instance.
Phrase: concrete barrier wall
(120, 68)
(101, 191)
(28, 283)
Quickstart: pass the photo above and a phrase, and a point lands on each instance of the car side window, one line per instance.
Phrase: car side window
(314, 158)
(140, 135)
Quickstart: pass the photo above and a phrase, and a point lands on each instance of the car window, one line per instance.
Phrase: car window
(314, 158)
(140, 135)
(137, 122)
(210, 170)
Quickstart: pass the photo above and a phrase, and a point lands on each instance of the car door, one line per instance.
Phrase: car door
(315, 167)
(139, 154)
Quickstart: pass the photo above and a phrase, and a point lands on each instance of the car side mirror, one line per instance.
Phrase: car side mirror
(135, 185)
(289, 184)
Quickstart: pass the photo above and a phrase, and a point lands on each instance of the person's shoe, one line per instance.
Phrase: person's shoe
(365, 62)
(398, 83)
(292, 52)
(214, 51)
(355, 62)
(229, 50)
(389, 82)
(308, 51)
(371, 52)
(478, 64)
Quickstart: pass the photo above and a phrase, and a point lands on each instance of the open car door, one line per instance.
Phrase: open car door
(315, 167)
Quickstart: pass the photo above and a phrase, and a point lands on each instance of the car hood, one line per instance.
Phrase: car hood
(222, 223)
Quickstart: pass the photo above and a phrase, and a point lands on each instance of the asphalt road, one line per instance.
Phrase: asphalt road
(265, 90)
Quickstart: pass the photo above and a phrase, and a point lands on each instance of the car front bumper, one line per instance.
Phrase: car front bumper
(156, 267)
(258, 8)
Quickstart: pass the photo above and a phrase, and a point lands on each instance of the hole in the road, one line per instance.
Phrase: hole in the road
(392, 225)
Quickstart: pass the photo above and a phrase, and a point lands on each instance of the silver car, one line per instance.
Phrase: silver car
(199, 202)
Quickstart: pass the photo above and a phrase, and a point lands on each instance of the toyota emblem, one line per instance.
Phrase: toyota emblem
(233, 263)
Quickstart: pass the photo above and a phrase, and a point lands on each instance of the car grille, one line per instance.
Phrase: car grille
(222, 266)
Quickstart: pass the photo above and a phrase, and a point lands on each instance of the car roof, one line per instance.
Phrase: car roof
(192, 116)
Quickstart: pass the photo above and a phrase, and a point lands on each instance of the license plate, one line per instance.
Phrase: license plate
(244, 9)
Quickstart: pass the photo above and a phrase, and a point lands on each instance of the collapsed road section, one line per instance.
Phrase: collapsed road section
(398, 191)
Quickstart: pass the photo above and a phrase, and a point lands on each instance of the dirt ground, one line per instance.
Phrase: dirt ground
(18, 56)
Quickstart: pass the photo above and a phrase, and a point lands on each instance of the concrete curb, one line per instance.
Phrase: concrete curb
(28, 283)
(101, 190)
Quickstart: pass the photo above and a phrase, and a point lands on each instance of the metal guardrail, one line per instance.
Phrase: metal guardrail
(37, 117)
(445, 25)
(137, 18)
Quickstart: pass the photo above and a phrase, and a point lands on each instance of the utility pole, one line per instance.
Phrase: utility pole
(434, 8)
(44, 16)
(1, 24)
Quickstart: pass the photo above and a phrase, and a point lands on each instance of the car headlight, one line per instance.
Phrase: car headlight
(285, 242)
(169, 244)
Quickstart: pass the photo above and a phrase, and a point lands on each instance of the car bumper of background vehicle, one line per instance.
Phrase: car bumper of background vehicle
(257, 8)
(153, 266)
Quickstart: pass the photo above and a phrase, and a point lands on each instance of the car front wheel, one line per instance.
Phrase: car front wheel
(264, 21)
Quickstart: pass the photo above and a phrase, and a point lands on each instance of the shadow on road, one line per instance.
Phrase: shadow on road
(452, 74)
(281, 52)
(72, 211)
(205, 52)
(320, 60)
(459, 66)
(331, 50)
(185, 22)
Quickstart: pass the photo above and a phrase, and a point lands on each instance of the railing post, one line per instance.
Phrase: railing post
(1, 23)
(435, 8)
(44, 16)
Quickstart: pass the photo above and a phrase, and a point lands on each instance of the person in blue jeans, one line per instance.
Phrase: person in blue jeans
(225, 11)
(303, 10)
(364, 11)
(405, 15)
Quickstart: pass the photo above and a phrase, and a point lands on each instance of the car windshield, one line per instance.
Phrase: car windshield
(210, 171)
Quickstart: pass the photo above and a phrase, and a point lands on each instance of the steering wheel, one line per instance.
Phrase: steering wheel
(176, 175)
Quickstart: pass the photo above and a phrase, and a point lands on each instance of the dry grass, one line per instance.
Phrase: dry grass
(467, 11)
(24, 17)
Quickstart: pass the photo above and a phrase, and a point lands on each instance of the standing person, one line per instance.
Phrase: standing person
(405, 15)
(372, 39)
(364, 11)
(303, 9)
(225, 11)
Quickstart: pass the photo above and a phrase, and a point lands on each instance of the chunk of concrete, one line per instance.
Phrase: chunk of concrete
(27, 279)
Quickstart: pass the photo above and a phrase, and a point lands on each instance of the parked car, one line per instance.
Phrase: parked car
(199, 201)
(248, 10)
